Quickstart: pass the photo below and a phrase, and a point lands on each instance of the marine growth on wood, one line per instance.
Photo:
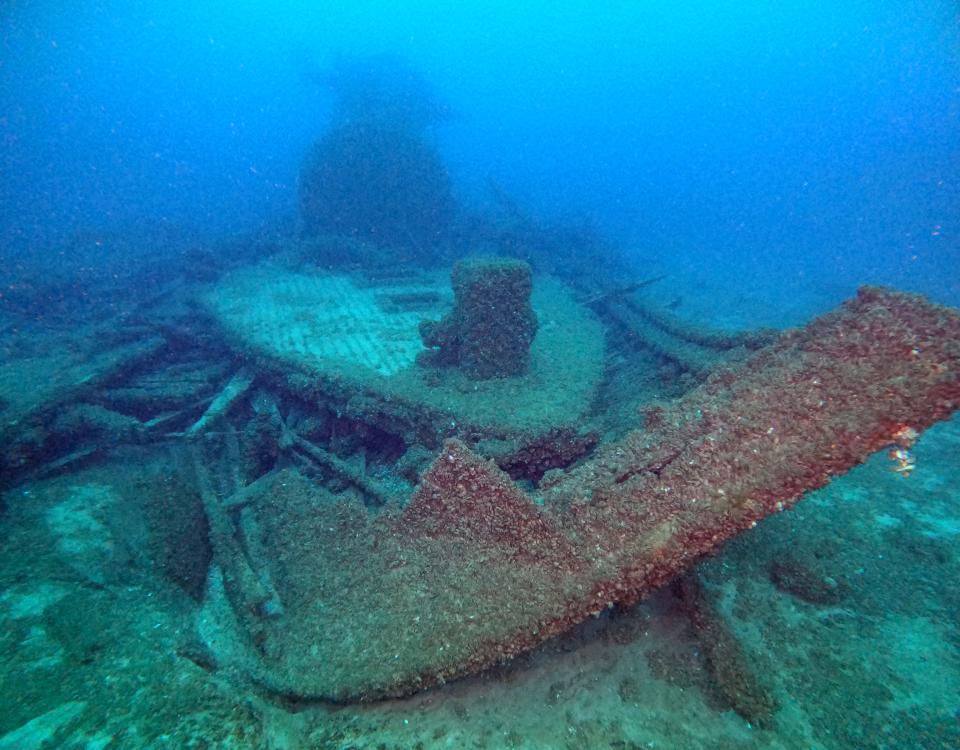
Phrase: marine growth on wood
(472, 571)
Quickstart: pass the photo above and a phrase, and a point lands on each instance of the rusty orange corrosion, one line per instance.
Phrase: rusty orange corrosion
(472, 571)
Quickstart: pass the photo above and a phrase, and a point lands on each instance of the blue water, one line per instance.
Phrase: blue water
(777, 140)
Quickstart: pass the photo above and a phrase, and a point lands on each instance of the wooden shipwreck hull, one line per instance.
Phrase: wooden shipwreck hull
(472, 571)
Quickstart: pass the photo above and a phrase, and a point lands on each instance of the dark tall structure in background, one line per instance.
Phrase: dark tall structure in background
(373, 175)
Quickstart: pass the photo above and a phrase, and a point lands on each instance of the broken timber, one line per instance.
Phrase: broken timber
(472, 572)
(236, 387)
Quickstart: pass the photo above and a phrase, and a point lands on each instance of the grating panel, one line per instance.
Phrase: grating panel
(320, 321)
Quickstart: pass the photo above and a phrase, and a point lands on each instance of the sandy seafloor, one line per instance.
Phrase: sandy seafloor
(857, 642)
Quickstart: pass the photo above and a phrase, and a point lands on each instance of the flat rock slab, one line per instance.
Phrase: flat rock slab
(340, 335)
(472, 572)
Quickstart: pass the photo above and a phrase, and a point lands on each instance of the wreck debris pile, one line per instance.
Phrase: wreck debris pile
(338, 344)
(331, 576)
(471, 573)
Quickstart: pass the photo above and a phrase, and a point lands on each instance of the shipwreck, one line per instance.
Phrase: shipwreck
(390, 590)
(399, 477)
